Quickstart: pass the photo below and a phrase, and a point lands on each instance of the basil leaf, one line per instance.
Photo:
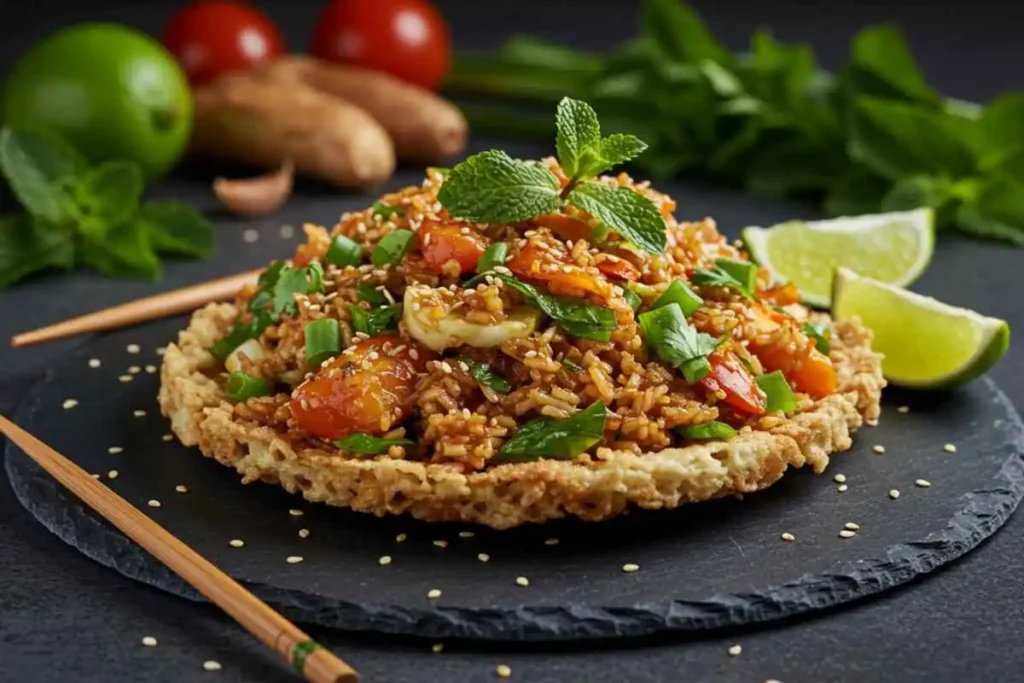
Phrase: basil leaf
(713, 430)
(28, 246)
(677, 342)
(391, 248)
(124, 251)
(178, 228)
(627, 212)
(486, 375)
(371, 295)
(386, 211)
(881, 64)
(107, 195)
(546, 437)
(367, 444)
(819, 333)
(40, 167)
(577, 137)
(578, 319)
(492, 187)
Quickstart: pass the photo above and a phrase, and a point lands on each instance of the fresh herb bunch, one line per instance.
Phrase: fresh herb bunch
(872, 137)
(77, 215)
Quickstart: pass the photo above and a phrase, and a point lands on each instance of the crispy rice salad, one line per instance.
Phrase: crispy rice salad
(508, 312)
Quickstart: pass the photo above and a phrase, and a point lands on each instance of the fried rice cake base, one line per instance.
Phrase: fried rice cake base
(508, 495)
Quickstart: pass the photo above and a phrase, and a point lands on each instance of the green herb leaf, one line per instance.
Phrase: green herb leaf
(916, 191)
(627, 212)
(578, 319)
(40, 168)
(344, 252)
(679, 33)
(744, 272)
(722, 277)
(577, 137)
(546, 437)
(178, 228)
(575, 367)
(881, 65)
(386, 211)
(486, 375)
(28, 246)
(107, 195)
(618, 148)
(290, 282)
(978, 224)
(677, 342)
(371, 295)
(819, 332)
(367, 444)
(1002, 128)
(124, 251)
(681, 295)
(632, 298)
(713, 430)
(856, 191)
(492, 187)
(778, 395)
(376, 321)
(391, 248)
(997, 211)
(783, 72)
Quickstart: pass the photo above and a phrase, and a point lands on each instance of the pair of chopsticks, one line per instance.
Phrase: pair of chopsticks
(304, 654)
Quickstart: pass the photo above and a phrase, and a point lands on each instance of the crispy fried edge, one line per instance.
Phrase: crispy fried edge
(508, 495)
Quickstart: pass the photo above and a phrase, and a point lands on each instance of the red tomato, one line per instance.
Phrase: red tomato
(444, 242)
(619, 268)
(406, 38)
(371, 388)
(534, 263)
(220, 36)
(729, 376)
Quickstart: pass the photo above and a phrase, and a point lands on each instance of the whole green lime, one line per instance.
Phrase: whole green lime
(111, 91)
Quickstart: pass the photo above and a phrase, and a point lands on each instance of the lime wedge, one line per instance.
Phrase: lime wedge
(891, 247)
(927, 344)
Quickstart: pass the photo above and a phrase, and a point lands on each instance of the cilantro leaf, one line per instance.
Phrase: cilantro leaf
(371, 295)
(367, 444)
(492, 187)
(677, 342)
(28, 246)
(106, 196)
(40, 167)
(546, 437)
(376, 321)
(386, 211)
(721, 276)
(578, 319)
(819, 333)
(487, 375)
(627, 212)
(577, 137)
(178, 228)
(123, 251)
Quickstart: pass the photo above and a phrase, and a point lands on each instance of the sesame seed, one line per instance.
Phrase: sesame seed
(211, 665)
(466, 534)
(112, 474)
(124, 379)
(773, 680)
(134, 369)
(522, 581)
(503, 671)
(384, 560)
(903, 409)
(95, 476)
(94, 362)
(400, 538)
(551, 541)
(69, 403)
(303, 533)
(786, 536)
(149, 641)
(846, 533)
(293, 559)
(483, 557)
(286, 232)
(852, 526)
(139, 413)
(894, 494)
(132, 348)
(154, 503)
(922, 483)
(161, 350)
(236, 543)
(181, 488)
(167, 437)
(296, 513)
(839, 478)
(441, 544)
(250, 235)
(437, 648)
(878, 448)
(629, 568)
(151, 369)
(842, 488)
(949, 448)
(114, 450)
(433, 594)
(735, 651)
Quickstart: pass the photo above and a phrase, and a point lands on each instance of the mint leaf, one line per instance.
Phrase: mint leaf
(996, 212)
(368, 444)
(546, 437)
(679, 33)
(856, 191)
(794, 164)
(178, 228)
(125, 251)
(881, 65)
(1002, 128)
(38, 167)
(972, 221)
(783, 72)
(627, 212)
(577, 137)
(487, 375)
(677, 342)
(492, 187)
(616, 149)
(916, 191)
(28, 246)
(107, 195)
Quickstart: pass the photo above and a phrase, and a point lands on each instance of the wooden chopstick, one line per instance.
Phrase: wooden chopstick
(150, 308)
(304, 654)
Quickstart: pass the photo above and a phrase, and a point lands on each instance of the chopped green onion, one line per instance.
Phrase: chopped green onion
(744, 272)
(575, 367)
(632, 298)
(316, 278)
(358, 319)
(708, 431)
(391, 248)
(778, 395)
(367, 444)
(819, 333)
(241, 387)
(344, 252)
(696, 369)
(386, 211)
(679, 293)
(371, 295)
(493, 255)
(323, 340)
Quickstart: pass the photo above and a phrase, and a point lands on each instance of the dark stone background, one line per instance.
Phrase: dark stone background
(63, 617)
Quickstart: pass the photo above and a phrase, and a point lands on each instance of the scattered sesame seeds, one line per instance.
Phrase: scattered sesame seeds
(167, 437)
(94, 362)
(161, 350)
(211, 665)
(286, 231)
(433, 594)
(522, 581)
(384, 560)
(400, 538)
(839, 478)
(630, 568)
(786, 536)
(842, 488)
(154, 503)
(132, 348)
(69, 403)
(483, 557)
(112, 474)
(95, 476)
(150, 369)
(852, 526)
(296, 513)
(303, 533)
(250, 235)
(551, 541)
(114, 450)
(894, 493)
(903, 409)
(878, 448)
(293, 559)
(181, 488)
(503, 671)
(441, 544)
(466, 534)
(437, 648)
(735, 651)
(236, 543)
(149, 641)
(949, 448)
(124, 379)
(139, 413)
(846, 533)
(134, 369)
(922, 483)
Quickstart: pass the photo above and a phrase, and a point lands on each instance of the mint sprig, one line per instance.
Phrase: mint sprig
(91, 216)
(492, 187)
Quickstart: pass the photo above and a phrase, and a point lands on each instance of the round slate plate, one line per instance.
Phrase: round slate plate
(704, 566)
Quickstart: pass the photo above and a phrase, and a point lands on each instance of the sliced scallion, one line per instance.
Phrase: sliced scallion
(745, 272)
(679, 293)
(371, 295)
(323, 340)
(344, 252)
(778, 395)
(391, 248)
(493, 255)
(242, 386)
(632, 298)
(708, 431)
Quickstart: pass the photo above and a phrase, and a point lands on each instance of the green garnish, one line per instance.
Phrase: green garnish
(546, 437)
(367, 444)
(241, 387)
(323, 340)
(494, 255)
(819, 333)
(386, 211)
(575, 367)
(743, 272)
(708, 431)
(492, 187)
(371, 295)
(315, 274)
(679, 293)
(677, 342)
(344, 252)
(391, 248)
(632, 298)
(778, 395)
(376, 321)
(720, 277)
(487, 376)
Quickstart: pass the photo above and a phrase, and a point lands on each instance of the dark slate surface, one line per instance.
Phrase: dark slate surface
(65, 617)
(704, 566)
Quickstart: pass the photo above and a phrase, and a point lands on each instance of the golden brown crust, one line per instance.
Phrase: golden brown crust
(509, 495)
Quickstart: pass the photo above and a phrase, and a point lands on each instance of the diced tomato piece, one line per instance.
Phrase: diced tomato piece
(619, 268)
(808, 370)
(442, 243)
(534, 263)
(564, 227)
(731, 377)
(817, 376)
(781, 295)
(370, 388)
